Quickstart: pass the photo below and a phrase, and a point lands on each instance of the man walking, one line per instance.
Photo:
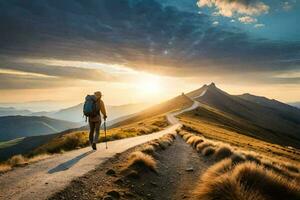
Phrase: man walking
(95, 117)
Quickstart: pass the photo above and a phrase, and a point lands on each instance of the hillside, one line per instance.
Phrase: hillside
(176, 103)
(12, 127)
(255, 116)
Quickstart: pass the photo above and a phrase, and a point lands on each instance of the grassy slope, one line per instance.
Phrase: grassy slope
(79, 139)
(254, 119)
(176, 103)
(217, 126)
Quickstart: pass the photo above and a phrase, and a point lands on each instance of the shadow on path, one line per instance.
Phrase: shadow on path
(68, 164)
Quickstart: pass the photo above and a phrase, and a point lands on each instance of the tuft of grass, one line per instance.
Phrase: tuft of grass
(17, 160)
(187, 136)
(148, 149)
(197, 141)
(203, 145)
(291, 167)
(208, 151)
(223, 152)
(266, 182)
(252, 157)
(217, 169)
(164, 142)
(141, 162)
(63, 143)
(190, 129)
(247, 180)
(5, 168)
(225, 187)
(191, 139)
(237, 157)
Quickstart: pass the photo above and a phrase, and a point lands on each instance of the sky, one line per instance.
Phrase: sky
(147, 50)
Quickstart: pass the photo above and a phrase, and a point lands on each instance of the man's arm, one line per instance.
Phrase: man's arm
(102, 109)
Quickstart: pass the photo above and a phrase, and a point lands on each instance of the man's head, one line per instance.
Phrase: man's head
(98, 94)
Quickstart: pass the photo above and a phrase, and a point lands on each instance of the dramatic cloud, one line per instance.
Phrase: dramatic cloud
(142, 35)
(287, 6)
(59, 71)
(16, 81)
(247, 20)
(229, 7)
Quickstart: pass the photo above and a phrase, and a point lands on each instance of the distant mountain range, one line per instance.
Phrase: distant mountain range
(7, 111)
(74, 113)
(12, 127)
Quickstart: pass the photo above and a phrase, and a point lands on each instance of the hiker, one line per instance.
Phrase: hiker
(92, 107)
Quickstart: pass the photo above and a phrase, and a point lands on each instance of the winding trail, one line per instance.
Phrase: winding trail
(42, 179)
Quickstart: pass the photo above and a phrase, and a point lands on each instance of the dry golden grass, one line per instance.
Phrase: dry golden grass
(239, 172)
(177, 103)
(141, 162)
(80, 139)
(237, 157)
(165, 141)
(5, 168)
(208, 151)
(222, 152)
(203, 145)
(148, 149)
(248, 180)
(266, 181)
(17, 160)
(187, 136)
(215, 132)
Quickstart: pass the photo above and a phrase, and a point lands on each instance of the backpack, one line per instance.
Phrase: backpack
(90, 106)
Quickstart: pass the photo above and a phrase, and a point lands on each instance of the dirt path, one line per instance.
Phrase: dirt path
(42, 179)
(173, 181)
(179, 169)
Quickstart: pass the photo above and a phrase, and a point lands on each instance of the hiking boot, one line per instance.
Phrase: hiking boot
(94, 146)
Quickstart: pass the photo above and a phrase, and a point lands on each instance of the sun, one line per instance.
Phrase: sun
(149, 85)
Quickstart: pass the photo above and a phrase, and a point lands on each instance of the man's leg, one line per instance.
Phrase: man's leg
(97, 127)
(92, 130)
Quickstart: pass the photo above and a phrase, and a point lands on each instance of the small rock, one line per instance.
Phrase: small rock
(46, 183)
(110, 172)
(119, 181)
(153, 183)
(189, 169)
(114, 194)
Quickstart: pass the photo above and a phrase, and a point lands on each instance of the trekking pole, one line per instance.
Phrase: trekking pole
(105, 133)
